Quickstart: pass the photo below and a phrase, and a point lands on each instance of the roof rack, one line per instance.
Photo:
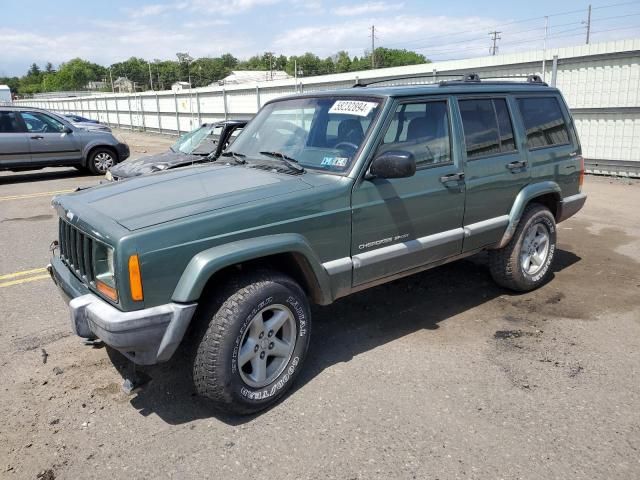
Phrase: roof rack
(465, 79)
(474, 78)
(360, 84)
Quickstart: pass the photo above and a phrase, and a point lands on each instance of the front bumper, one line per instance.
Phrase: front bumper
(569, 206)
(144, 336)
(123, 151)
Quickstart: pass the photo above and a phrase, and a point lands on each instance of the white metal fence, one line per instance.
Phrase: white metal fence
(601, 83)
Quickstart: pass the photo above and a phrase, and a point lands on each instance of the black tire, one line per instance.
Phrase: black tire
(227, 321)
(506, 264)
(100, 160)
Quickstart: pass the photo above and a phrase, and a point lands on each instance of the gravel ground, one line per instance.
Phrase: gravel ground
(440, 375)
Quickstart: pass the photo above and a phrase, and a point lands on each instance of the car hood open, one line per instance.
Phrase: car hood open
(154, 163)
(150, 200)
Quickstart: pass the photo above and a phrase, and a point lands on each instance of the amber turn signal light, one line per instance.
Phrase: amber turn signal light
(107, 291)
(135, 279)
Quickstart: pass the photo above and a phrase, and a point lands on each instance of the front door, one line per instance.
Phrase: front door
(14, 142)
(405, 223)
(48, 141)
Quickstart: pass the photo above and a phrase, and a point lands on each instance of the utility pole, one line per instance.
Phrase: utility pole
(113, 90)
(150, 77)
(588, 24)
(373, 46)
(495, 37)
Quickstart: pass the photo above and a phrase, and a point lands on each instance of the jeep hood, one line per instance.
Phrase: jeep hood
(150, 200)
(154, 163)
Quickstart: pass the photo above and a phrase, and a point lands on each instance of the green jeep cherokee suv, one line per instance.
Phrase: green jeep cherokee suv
(322, 195)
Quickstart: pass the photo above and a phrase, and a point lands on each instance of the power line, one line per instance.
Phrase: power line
(514, 22)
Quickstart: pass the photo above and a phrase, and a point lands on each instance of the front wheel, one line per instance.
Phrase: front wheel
(101, 160)
(525, 262)
(256, 338)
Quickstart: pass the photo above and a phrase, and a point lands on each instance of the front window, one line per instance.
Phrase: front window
(323, 133)
(40, 123)
(201, 141)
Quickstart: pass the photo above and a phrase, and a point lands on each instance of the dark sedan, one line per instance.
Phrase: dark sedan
(204, 144)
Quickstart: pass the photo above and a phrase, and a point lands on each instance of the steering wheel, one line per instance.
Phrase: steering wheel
(347, 144)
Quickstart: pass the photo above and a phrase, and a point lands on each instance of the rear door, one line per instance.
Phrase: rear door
(14, 142)
(405, 223)
(553, 147)
(49, 144)
(495, 167)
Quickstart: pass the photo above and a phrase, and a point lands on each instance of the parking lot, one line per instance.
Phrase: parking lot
(439, 375)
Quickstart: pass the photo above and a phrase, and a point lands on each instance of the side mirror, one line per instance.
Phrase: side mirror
(393, 164)
(67, 130)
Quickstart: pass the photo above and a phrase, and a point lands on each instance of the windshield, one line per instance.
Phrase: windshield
(201, 141)
(323, 133)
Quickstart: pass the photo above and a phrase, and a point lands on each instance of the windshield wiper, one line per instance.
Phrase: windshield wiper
(238, 157)
(290, 162)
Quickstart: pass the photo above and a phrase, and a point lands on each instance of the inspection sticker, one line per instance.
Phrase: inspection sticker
(353, 107)
(334, 161)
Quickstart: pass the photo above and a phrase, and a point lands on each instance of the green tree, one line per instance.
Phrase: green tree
(74, 75)
(391, 57)
(342, 62)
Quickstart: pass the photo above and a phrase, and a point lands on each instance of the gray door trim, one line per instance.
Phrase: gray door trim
(404, 248)
(486, 225)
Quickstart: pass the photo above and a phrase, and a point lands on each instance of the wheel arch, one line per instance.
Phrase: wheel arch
(285, 253)
(547, 193)
(92, 148)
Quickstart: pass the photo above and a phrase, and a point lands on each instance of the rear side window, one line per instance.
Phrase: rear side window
(487, 127)
(9, 122)
(543, 122)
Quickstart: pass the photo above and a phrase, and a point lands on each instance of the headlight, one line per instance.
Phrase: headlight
(109, 176)
(104, 271)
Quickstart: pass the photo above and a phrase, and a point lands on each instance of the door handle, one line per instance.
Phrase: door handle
(37, 137)
(452, 177)
(515, 165)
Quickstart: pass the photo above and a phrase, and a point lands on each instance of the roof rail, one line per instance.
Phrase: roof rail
(470, 78)
(474, 78)
(360, 84)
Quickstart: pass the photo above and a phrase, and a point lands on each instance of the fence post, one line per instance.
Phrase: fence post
(144, 121)
(258, 95)
(175, 103)
(198, 107)
(158, 112)
(554, 71)
(224, 102)
(115, 99)
(130, 113)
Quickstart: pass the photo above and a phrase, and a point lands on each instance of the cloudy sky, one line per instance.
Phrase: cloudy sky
(106, 32)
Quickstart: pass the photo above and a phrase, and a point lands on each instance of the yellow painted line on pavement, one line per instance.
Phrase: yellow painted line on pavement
(23, 273)
(24, 280)
(34, 195)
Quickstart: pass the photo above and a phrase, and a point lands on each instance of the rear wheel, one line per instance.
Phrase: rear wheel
(525, 262)
(255, 337)
(101, 160)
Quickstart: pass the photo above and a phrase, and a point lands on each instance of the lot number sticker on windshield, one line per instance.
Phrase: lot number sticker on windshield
(353, 107)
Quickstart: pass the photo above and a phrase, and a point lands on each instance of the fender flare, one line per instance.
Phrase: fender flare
(95, 144)
(528, 193)
(206, 263)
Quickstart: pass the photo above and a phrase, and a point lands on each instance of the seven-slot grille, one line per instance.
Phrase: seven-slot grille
(75, 250)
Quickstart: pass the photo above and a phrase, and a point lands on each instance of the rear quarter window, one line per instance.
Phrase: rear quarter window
(543, 121)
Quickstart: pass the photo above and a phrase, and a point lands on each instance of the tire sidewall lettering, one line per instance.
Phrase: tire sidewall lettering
(550, 255)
